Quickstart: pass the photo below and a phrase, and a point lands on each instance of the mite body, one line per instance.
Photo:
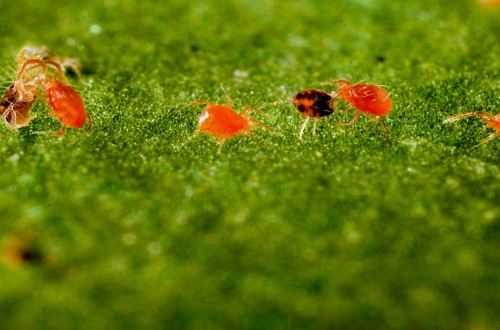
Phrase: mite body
(312, 103)
(222, 122)
(66, 104)
(368, 100)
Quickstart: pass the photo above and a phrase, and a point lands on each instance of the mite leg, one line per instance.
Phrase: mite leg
(38, 62)
(229, 100)
(377, 120)
(55, 133)
(253, 120)
(353, 120)
(342, 82)
(9, 117)
(90, 123)
(258, 122)
(19, 86)
(315, 123)
(198, 102)
(221, 143)
(195, 134)
(491, 137)
(466, 115)
(303, 127)
(59, 68)
(247, 110)
(87, 130)
(195, 103)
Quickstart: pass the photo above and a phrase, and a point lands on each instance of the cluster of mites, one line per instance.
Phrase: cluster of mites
(40, 75)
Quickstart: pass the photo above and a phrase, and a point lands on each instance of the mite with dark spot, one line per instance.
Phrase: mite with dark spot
(312, 103)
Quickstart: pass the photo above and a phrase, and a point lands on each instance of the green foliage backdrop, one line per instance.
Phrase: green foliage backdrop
(338, 231)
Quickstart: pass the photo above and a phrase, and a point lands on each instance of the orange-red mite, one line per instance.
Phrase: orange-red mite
(222, 122)
(66, 104)
(491, 121)
(366, 98)
(313, 103)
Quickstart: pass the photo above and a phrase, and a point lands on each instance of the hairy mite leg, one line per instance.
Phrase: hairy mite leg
(490, 120)
(315, 124)
(353, 120)
(228, 98)
(221, 143)
(491, 137)
(469, 114)
(197, 131)
(87, 130)
(377, 120)
(303, 127)
(253, 120)
(198, 102)
(55, 133)
(195, 134)
(343, 82)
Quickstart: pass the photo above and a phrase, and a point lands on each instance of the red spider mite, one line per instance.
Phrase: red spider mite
(366, 98)
(491, 121)
(222, 122)
(67, 105)
(313, 103)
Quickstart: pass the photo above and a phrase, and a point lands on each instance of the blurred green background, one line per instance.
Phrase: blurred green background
(126, 230)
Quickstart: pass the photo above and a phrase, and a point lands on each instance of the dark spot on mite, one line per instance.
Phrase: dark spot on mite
(380, 59)
(313, 103)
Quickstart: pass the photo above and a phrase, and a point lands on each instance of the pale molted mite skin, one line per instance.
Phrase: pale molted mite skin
(43, 53)
(15, 113)
(21, 94)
